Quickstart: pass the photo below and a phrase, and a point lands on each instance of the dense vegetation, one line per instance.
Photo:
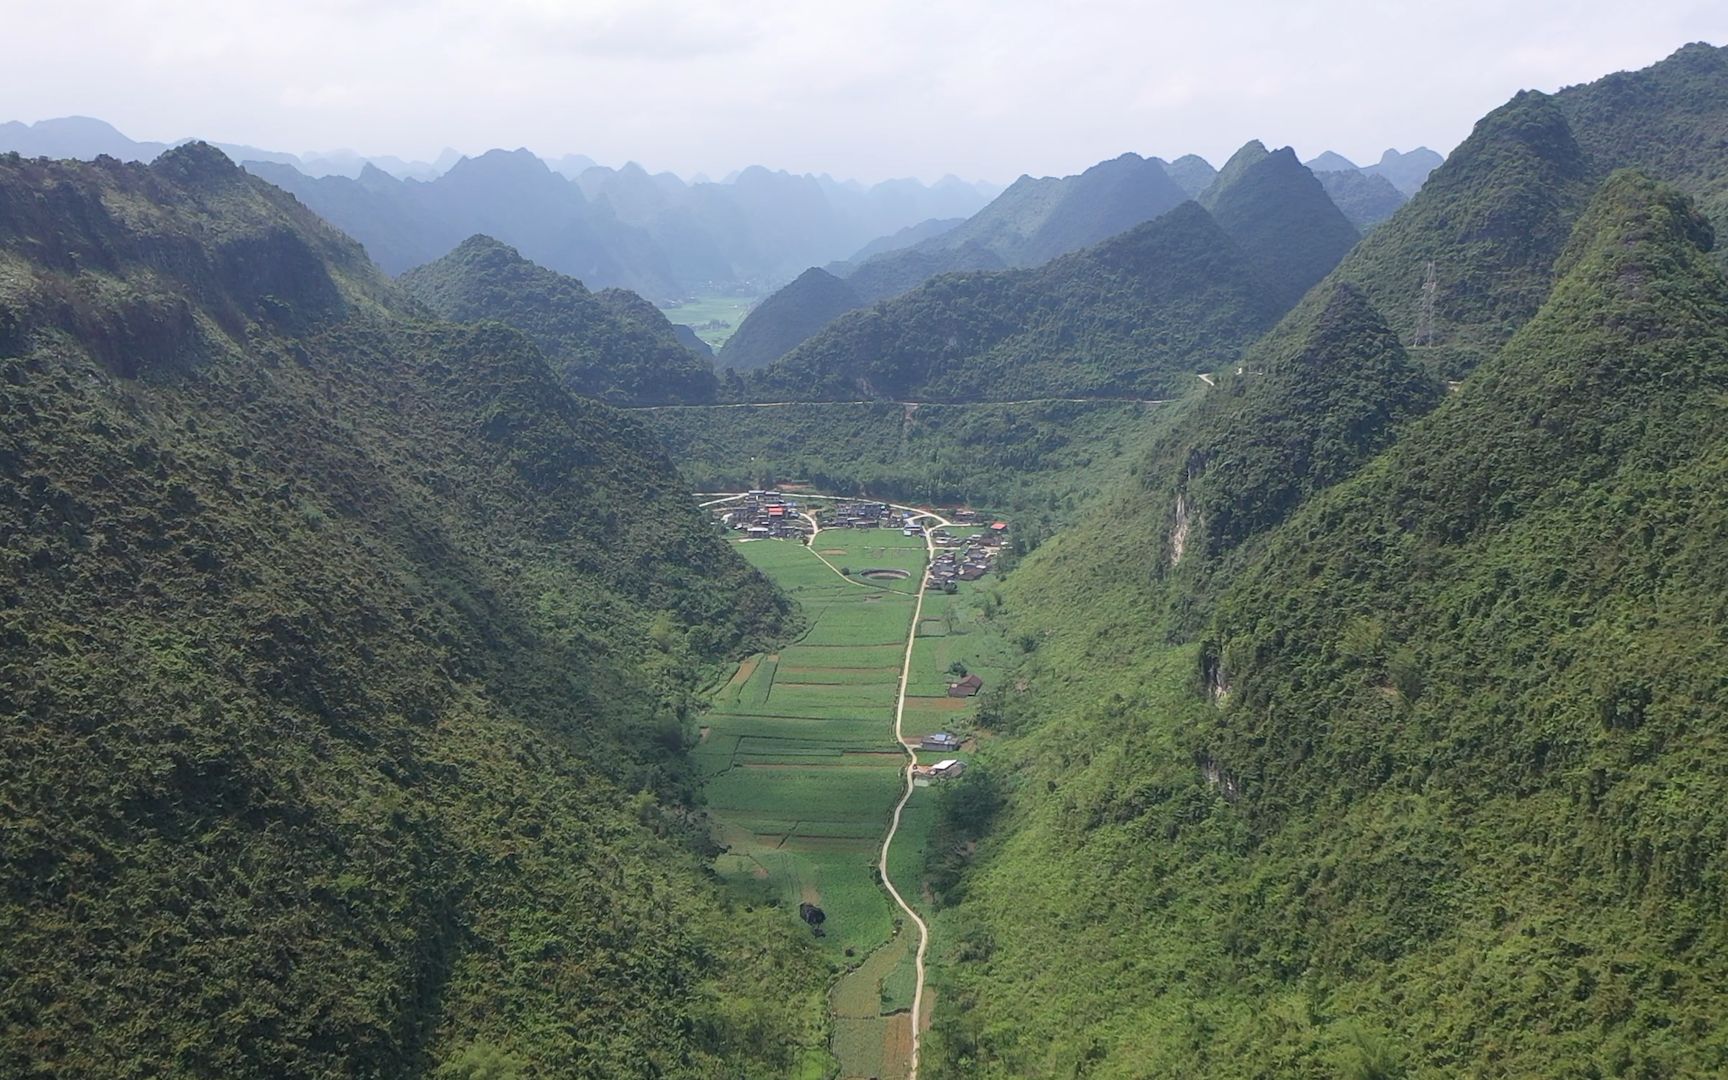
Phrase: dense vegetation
(1192, 173)
(1433, 787)
(776, 325)
(1281, 219)
(1029, 224)
(348, 665)
(1493, 218)
(1039, 462)
(1310, 403)
(613, 345)
(1365, 199)
(1137, 315)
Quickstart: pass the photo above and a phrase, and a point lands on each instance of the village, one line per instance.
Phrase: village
(964, 546)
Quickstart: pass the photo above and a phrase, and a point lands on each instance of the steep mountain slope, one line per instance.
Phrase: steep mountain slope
(347, 666)
(776, 325)
(1030, 223)
(886, 276)
(1438, 791)
(1036, 220)
(1668, 120)
(1281, 218)
(1491, 220)
(1313, 402)
(1366, 200)
(687, 338)
(1493, 217)
(612, 345)
(1249, 154)
(1331, 161)
(626, 228)
(1137, 315)
(510, 195)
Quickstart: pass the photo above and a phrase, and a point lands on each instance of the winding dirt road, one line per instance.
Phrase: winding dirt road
(716, 498)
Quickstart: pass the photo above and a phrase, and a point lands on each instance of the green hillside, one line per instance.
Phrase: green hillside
(348, 668)
(1433, 787)
(1311, 403)
(1038, 462)
(1138, 315)
(1365, 199)
(776, 325)
(1281, 219)
(1032, 222)
(612, 345)
(1493, 217)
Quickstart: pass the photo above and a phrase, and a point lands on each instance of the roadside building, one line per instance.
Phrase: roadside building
(940, 741)
(947, 769)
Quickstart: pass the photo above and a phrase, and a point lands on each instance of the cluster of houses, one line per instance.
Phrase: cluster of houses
(868, 515)
(942, 743)
(766, 515)
(965, 559)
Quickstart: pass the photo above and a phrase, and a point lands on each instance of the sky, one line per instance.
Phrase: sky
(866, 90)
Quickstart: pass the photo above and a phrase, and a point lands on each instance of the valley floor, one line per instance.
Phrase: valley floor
(805, 770)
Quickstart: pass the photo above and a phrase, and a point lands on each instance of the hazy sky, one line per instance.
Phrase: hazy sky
(867, 89)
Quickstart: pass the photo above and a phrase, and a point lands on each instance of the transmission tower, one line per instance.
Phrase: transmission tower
(1425, 320)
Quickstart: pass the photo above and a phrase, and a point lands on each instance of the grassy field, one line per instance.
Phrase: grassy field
(705, 309)
(803, 770)
(803, 773)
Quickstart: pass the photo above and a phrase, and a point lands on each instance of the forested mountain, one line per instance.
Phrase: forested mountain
(1365, 199)
(776, 325)
(613, 345)
(348, 665)
(1029, 224)
(1036, 220)
(85, 138)
(1331, 161)
(1426, 785)
(1137, 315)
(509, 195)
(1192, 173)
(1311, 402)
(1281, 218)
(1492, 219)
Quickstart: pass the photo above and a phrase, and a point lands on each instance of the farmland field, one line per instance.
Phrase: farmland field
(698, 311)
(803, 772)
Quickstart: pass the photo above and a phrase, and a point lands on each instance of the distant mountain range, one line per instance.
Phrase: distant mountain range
(1036, 220)
(1138, 315)
(83, 138)
(1405, 171)
(625, 227)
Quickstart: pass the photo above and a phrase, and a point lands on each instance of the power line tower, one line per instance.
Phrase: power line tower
(1425, 320)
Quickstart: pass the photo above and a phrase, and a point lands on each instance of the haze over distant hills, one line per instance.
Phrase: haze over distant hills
(653, 233)
(1033, 221)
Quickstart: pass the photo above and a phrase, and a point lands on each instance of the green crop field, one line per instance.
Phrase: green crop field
(701, 310)
(802, 770)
